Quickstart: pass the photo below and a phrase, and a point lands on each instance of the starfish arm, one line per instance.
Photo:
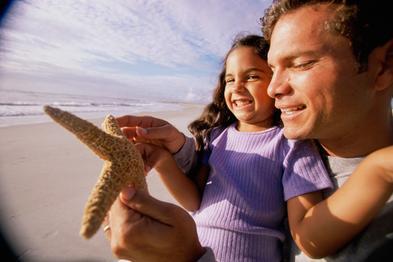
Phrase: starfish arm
(97, 140)
(100, 200)
(114, 176)
(134, 170)
(129, 160)
(111, 127)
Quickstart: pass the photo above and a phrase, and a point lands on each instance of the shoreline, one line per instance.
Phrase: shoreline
(46, 177)
(10, 121)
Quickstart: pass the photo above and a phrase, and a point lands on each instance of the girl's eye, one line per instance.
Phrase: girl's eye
(253, 77)
(229, 80)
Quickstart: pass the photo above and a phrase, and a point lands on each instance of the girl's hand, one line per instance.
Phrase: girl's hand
(152, 130)
(153, 156)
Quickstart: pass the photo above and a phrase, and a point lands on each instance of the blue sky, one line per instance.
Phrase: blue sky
(163, 50)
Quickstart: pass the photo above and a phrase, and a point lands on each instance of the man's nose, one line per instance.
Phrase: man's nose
(279, 85)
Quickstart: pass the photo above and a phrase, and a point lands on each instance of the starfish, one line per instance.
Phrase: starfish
(123, 164)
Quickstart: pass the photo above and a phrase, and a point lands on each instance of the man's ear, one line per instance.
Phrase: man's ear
(383, 58)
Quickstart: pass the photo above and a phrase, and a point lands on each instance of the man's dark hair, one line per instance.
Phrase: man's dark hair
(366, 23)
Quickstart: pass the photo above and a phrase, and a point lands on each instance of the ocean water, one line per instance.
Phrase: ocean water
(26, 107)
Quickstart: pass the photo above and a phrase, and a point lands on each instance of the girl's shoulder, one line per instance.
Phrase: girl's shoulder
(216, 132)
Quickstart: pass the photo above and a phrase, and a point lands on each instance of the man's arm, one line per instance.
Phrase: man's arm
(320, 228)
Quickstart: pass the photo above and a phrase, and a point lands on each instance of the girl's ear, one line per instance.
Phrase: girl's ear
(383, 57)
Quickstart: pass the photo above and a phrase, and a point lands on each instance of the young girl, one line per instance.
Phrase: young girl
(252, 169)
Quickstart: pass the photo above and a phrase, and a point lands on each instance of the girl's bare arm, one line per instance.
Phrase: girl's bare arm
(181, 187)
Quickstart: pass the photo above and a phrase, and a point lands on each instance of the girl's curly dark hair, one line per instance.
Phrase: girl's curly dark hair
(217, 113)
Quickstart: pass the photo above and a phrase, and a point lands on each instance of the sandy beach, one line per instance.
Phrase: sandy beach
(45, 178)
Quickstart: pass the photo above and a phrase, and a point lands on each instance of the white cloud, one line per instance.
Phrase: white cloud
(99, 41)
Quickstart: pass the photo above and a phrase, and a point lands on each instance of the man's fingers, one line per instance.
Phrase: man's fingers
(145, 204)
(121, 214)
(106, 227)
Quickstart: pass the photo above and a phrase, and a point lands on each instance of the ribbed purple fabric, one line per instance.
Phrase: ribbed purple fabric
(252, 175)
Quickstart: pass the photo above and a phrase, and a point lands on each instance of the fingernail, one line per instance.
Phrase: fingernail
(141, 131)
(128, 193)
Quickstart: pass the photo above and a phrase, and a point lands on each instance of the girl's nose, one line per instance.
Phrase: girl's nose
(238, 85)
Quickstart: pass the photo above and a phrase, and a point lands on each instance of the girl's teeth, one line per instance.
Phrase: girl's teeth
(241, 102)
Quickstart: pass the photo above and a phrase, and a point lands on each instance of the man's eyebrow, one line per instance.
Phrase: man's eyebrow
(295, 54)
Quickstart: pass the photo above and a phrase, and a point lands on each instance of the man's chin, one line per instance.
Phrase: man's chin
(297, 133)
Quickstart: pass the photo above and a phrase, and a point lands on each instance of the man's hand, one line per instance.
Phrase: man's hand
(152, 130)
(145, 229)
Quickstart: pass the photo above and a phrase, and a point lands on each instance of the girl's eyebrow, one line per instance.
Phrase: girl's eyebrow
(250, 70)
(255, 69)
(264, 71)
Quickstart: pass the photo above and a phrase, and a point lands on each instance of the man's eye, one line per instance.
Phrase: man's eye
(304, 65)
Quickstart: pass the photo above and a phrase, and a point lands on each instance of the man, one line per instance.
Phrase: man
(333, 81)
